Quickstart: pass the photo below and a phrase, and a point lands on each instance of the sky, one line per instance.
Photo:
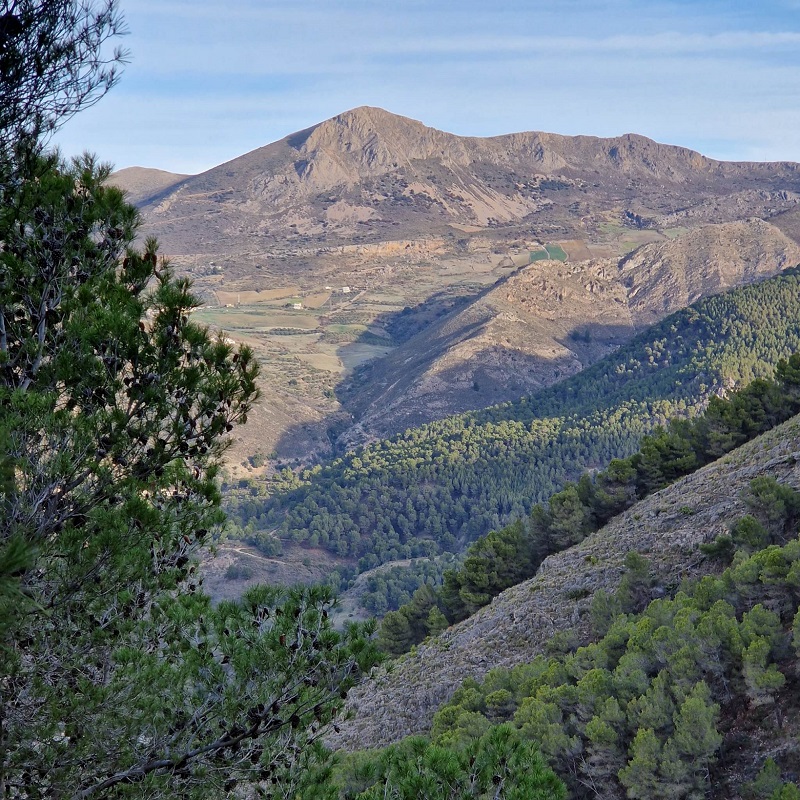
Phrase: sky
(209, 81)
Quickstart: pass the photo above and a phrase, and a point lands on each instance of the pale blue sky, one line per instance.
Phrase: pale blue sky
(209, 81)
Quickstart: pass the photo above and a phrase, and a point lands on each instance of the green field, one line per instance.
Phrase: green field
(556, 252)
(341, 328)
(551, 252)
(611, 228)
(260, 319)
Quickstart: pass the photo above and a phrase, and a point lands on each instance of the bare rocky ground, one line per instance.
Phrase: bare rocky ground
(369, 176)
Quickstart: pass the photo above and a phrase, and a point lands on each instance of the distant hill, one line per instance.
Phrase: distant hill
(367, 214)
(549, 320)
(141, 183)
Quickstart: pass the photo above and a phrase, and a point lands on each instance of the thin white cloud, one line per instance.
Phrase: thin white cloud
(661, 43)
(347, 52)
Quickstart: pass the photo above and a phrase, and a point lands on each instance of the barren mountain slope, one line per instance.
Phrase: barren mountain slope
(140, 183)
(664, 277)
(551, 319)
(374, 176)
(666, 527)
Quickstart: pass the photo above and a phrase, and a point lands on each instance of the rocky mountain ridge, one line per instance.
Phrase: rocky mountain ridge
(376, 175)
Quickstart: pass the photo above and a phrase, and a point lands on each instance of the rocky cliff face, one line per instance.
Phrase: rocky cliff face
(666, 528)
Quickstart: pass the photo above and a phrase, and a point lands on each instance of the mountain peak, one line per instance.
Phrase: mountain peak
(367, 171)
(374, 115)
(374, 140)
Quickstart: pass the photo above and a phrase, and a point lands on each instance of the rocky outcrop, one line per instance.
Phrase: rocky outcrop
(667, 276)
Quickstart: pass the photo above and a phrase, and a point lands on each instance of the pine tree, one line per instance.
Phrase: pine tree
(641, 776)
(114, 407)
(690, 751)
(54, 61)
(499, 765)
(394, 636)
(436, 622)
